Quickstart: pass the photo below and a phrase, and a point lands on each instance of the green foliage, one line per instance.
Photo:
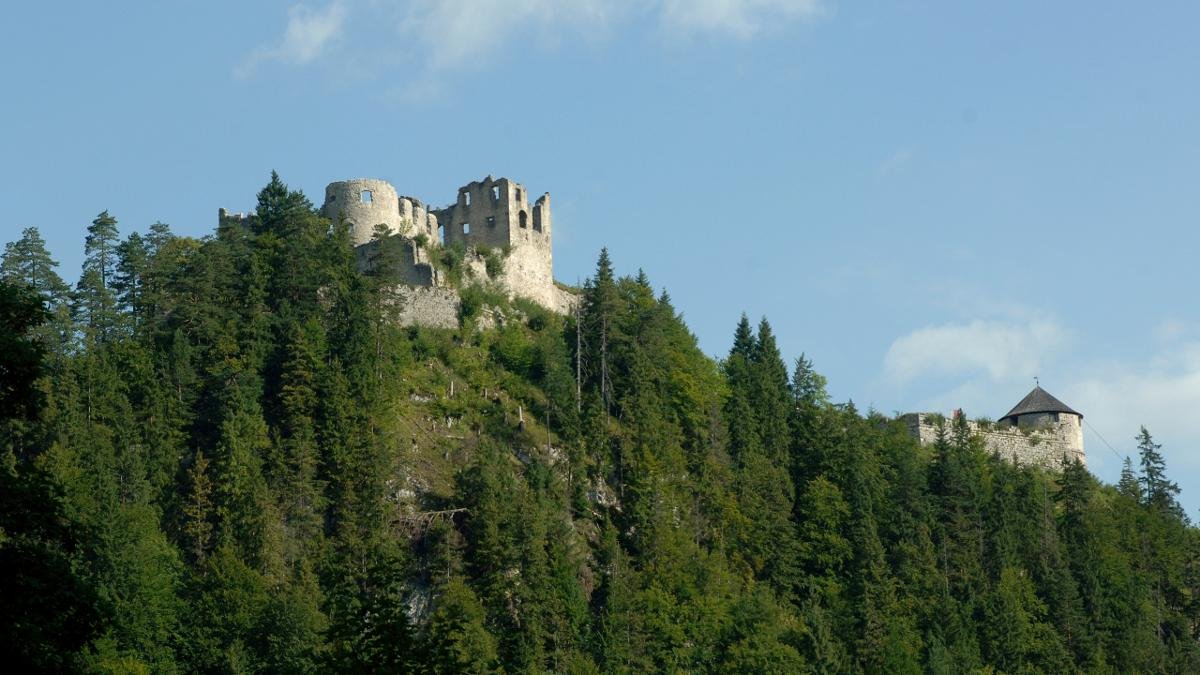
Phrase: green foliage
(237, 461)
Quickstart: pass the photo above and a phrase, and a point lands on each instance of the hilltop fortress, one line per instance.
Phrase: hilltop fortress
(491, 218)
(505, 245)
(1040, 430)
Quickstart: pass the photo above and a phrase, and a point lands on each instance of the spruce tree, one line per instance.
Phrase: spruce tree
(1157, 491)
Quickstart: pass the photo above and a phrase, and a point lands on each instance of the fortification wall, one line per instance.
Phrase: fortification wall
(527, 273)
(492, 213)
(432, 306)
(1043, 445)
(364, 203)
(417, 219)
(487, 213)
(410, 264)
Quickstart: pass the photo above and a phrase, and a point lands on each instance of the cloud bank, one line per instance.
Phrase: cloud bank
(1001, 350)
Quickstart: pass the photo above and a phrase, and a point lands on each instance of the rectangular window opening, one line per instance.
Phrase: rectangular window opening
(495, 194)
(366, 196)
(491, 221)
(466, 228)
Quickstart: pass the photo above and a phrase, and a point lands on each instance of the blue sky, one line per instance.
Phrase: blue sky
(935, 201)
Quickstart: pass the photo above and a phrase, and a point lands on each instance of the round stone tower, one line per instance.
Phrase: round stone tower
(364, 203)
(1041, 410)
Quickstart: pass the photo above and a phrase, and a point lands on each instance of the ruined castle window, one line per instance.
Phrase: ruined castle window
(518, 191)
(466, 198)
(466, 228)
(524, 219)
(537, 220)
(366, 196)
(495, 194)
(491, 221)
(441, 238)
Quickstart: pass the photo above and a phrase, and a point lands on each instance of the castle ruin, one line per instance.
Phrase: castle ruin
(488, 217)
(1040, 430)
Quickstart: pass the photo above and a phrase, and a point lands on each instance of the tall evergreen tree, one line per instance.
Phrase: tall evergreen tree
(95, 295)
(1157, 491)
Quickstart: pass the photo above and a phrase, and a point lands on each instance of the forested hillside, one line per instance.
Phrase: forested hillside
(223, 455)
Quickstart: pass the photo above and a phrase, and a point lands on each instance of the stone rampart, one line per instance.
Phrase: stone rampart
(1042, 445)
(432, 306)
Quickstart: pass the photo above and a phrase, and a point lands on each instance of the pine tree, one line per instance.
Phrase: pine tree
(27, 261)
(95, 296)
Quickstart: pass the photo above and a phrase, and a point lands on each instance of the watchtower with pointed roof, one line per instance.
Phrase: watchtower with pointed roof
(1040, 430)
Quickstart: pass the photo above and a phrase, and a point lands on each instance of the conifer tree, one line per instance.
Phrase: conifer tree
(1157, 491)
(27, 261)
(95, 295)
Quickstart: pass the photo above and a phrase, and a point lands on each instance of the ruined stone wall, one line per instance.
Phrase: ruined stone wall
(492, 213)
(435, 307)
(1043, 445)
(411, 264)
(486, 213)
(364, 203)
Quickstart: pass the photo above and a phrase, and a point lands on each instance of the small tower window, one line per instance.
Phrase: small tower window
(466, 198)
(441, 236)
(524, 219)
(466, 228)
(491, 221)
(518, 193)
(537, 220)
(366, 196)
(495, 194)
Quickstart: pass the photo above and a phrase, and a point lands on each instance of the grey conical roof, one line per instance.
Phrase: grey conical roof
(1039, 401)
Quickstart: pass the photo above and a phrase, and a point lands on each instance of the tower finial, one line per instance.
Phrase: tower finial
(1036, 383)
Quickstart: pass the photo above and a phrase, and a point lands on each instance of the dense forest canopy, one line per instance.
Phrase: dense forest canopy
(225, 455)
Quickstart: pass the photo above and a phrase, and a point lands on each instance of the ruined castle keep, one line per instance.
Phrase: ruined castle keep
(1040, 430)
(491, 217)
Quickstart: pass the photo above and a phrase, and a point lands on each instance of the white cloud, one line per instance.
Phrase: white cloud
(445, 34)
(1000, 350)
(306, 37)
(741, 19)
(458, 32)
(1163, 394)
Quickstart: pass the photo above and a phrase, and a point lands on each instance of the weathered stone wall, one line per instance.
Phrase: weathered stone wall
(417, 219)
(489, 212)
(492, 213)
(435, 307)
(364, 203)
(411, 265)
(1042, 445)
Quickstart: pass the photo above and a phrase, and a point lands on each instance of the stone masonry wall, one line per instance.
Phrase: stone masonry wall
(432, 306)
(1041, 446)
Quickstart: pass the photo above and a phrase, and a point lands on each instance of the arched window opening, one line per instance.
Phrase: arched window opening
(524, 219)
